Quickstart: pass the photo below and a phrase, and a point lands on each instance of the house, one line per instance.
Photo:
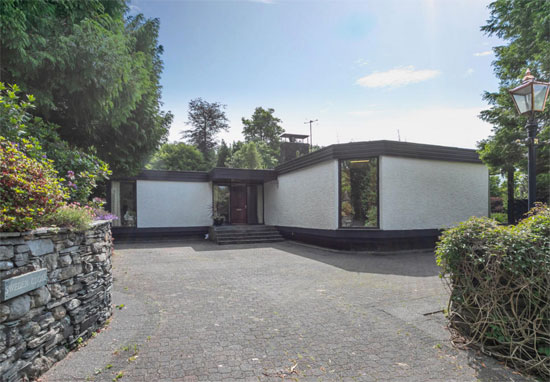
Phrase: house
(361, 195)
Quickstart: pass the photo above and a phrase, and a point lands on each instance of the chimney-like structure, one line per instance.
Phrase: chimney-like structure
(293, 146)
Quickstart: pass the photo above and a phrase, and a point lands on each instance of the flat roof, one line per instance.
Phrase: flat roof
(356, 150)
(353, 150)
(288, 135)
(217, 174)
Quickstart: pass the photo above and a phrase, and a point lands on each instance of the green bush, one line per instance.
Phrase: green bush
(79, 170)
(500, 287)
(72, 216)
(29, 189)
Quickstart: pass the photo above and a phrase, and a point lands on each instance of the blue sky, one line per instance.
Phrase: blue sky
(364, 69)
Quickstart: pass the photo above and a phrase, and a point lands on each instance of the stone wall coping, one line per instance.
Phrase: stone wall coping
(49, 230)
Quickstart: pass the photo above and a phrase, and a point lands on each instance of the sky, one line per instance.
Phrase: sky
(413, 70)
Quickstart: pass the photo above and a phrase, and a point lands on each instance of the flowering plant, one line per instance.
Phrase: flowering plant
(29, 189)
(73, 216)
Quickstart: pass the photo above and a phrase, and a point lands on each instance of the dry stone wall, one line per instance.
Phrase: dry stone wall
(55, 291)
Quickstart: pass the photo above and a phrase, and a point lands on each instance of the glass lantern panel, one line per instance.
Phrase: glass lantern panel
(523, 102)
(540, 95)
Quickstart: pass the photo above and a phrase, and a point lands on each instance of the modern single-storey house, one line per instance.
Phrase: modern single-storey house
(367, 195)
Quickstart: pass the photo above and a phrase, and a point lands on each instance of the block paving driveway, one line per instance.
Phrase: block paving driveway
(195, 311)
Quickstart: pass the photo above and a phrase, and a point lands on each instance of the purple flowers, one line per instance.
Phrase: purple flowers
(70, 175)
(104, 215)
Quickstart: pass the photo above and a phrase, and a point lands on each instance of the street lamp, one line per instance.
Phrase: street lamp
(530, 97)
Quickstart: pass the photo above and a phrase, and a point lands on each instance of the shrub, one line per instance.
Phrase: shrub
(29, 189)
(500, 287)
(72, 216)
(80, 170)
(99, 212)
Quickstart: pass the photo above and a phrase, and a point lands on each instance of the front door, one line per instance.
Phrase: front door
(238, 204)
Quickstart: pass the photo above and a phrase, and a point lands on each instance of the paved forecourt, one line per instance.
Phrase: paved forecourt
(195, 311)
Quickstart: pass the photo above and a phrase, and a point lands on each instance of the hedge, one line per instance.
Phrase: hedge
(499, 279)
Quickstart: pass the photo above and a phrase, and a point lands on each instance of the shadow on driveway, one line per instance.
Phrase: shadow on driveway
(405, 263)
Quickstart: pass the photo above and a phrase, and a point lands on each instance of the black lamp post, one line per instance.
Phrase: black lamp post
(530, 97)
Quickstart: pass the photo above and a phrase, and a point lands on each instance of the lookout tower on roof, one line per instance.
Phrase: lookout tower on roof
(293, 146)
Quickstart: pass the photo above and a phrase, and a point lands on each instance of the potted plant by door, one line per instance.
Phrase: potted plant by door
(218, 219)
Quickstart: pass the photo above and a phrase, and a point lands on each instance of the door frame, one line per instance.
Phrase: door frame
(244, 204)
(245, 185)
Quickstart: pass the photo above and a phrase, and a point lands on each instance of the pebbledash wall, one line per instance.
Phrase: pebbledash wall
(173, 204)
(304, 198)
(56, 289)
(422, 189)
(430, 194)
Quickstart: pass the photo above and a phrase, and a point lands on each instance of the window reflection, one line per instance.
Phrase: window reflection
(359, 193)
(221, 203)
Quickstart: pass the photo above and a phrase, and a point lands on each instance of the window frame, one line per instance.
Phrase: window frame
(339, 213)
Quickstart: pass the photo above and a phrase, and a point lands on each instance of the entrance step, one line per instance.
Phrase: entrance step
(244, 234)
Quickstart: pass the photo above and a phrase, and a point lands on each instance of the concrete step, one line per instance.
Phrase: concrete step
(247, 235)
(249, 241)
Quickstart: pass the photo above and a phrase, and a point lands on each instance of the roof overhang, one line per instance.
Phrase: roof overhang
(357, 150)
(222, 174)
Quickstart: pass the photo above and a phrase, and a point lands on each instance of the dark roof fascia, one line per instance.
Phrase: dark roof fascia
(216, 174)
(353, 150)
(161, 175)
(356, 150)
(220, 174)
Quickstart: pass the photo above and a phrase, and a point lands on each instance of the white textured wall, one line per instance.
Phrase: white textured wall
(173, 204)
(304, 198)
(423, 194)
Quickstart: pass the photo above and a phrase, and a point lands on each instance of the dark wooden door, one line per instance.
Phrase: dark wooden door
(238, 204)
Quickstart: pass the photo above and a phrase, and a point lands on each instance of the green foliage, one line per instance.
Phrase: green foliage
(177, 157)
(268, 154)
(29, 189)
(206, 120)
(40, 140)
(500, 287)
(94, 73)
(223, 155)
(525, 27)
(263, 127)
(72, 216)
(247, 156)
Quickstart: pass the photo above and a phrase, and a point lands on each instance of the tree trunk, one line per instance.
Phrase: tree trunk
(510, 184)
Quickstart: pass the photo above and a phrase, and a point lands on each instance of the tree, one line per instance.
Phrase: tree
(223, 155)
(246, 157)
(263, 127)
(177, 156)
(79, 170)
(206, 120)
(94, 74)
(503, 154)
(525, 26)
(268, 154)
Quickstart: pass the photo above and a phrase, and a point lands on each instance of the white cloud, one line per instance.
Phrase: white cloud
(397, 77)
(485, 53)
(468, 72)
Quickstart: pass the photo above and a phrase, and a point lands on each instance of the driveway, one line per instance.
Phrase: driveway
(195, 311)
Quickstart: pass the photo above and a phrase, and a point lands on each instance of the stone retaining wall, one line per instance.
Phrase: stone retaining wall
(38, 327)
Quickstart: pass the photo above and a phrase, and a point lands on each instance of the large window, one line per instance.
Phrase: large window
(221, 202)
(123, 203)
(359, 193)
